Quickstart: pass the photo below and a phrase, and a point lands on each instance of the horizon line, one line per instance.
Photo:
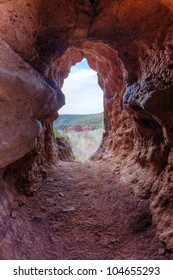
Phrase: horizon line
(81, 114)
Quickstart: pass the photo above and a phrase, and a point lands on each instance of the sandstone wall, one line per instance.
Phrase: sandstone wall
(129, 43)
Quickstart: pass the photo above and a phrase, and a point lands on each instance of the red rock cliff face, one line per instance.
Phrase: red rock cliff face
(130, 45)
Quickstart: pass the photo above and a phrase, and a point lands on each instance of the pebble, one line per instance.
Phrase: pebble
(36, 220)
(50, 179)
(61, 194)
(86, 193)
(14, 214)
(134, 181)
(69, 209)
(21, 203)
(114, 241)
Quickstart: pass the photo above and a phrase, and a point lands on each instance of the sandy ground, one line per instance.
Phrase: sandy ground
(81, 211)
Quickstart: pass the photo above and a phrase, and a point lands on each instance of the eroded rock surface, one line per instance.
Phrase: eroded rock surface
(26, 102)
(129, 43)
(64, 150)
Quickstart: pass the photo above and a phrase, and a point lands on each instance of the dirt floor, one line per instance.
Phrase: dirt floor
(81, 211)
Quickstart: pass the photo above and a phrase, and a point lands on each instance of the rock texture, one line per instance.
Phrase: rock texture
(64, 219)
(129, 44)
(26, 101)
(64, 150)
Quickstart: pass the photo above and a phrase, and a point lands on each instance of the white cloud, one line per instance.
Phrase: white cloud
(82, 73)
(83, 95)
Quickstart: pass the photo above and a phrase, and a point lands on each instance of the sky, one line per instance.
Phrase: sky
(82, 92)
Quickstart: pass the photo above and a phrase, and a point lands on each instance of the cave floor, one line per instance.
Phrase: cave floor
(82, 211)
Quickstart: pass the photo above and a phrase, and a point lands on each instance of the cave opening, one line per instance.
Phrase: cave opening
(118, 205)
(80, 121)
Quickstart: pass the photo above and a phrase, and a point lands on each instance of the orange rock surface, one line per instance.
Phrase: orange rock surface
(130, 45)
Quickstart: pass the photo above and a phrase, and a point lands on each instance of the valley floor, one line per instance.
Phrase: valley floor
(81, 211)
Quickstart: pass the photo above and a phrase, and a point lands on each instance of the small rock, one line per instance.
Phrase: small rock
(161, 251)
(21, 203)
(14, 214)
(114, 241)
(36, 220)
(42, 209)
(44, 181)
(86, 193)
(50, 179)
(134, 181)
(61, 194)
(69, 209)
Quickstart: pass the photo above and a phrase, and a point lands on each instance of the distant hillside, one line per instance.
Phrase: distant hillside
(85, 143)
(83, 132)
(79, 122)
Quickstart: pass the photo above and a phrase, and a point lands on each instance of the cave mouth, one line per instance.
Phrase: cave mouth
(80, 121)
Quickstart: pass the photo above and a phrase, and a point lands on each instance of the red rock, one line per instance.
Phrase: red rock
(129, 44)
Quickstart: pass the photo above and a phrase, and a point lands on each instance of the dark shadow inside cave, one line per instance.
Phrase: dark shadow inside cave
(80, 121)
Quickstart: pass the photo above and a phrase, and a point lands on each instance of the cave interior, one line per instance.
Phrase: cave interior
(130, 46)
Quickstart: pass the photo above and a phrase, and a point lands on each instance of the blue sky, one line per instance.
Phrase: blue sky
(82, 92)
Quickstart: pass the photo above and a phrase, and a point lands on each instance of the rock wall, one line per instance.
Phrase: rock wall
(65, 152)
(129, 44)
(27, 101)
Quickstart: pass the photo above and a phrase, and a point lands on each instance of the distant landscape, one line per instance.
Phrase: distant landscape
(90, 121)
(83, 132)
